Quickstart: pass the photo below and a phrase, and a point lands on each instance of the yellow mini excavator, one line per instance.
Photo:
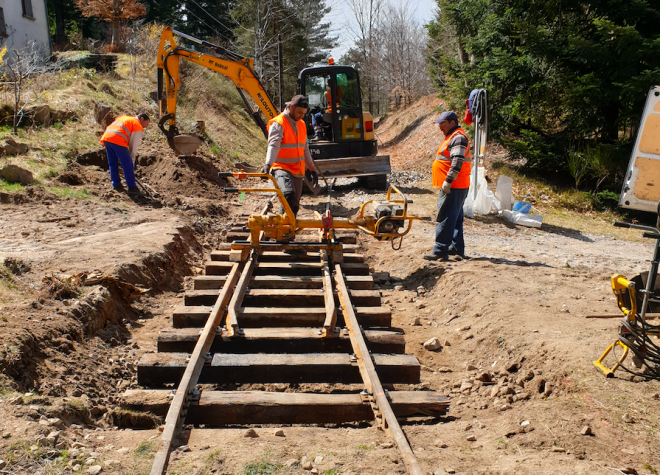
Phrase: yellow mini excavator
(341, 136)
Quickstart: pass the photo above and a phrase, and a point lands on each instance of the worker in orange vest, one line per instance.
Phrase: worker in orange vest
(121, 140)
(451, 173)
(288, 151)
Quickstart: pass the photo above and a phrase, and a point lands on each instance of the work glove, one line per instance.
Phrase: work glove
(315, 179)
(446, 188)
(266, 170)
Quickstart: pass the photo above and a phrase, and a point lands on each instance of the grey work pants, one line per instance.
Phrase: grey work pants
(291, 187)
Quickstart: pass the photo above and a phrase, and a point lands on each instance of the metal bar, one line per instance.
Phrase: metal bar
(370, 377)
(330, 308)
(175, 417)
(239, 293)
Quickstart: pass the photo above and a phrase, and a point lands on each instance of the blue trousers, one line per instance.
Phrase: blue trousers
(116, 155)
(449, 223)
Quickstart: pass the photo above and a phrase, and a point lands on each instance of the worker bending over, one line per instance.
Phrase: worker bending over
(288, 151)
(451, 173)
(121, 140)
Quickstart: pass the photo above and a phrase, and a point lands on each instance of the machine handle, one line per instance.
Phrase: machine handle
(651, 235)
(230, 190)
(225, 174)
(619, 224)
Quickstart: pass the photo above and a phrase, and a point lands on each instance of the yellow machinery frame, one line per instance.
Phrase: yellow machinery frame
(621, 288)
(285, 226)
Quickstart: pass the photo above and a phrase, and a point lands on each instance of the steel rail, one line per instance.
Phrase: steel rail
(379, 402)
(177, 411)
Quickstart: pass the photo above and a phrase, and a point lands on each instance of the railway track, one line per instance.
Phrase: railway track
(262, 315)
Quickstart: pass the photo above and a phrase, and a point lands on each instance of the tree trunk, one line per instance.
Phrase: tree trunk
(59, 22)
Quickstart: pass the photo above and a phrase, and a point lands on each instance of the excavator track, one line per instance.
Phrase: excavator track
(265, 316)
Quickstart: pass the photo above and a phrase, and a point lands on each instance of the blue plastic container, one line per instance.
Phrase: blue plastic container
(522, 206)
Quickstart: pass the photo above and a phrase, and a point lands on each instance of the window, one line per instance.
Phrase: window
(27, 8)
(3, 28)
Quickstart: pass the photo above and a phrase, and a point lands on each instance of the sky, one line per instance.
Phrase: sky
(341, 15)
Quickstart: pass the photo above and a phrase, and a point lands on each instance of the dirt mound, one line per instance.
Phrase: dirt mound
(32, 194)
(71, 178)
(93, 157)
(410, 137)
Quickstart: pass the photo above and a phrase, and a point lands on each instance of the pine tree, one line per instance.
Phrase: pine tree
(114, 11)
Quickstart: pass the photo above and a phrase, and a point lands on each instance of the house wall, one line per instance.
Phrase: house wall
(21, 30)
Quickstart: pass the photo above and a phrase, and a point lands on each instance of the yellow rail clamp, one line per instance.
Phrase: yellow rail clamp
(621, 288)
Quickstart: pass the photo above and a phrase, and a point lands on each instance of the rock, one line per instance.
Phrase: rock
(279, 433)
(627, 418)
(314, 471)
(318, 459)
(471, 438)
(525, 423)
(398, 286)
(290, 463)
(471, 367)
(656, 396)
(56, 422)
(558, 449)
(529, 375)
(79, 445)
(446, 343)
(432, 345)
(16, 174)
(469, 337)
(628, 471)
(76, 467)
(484, 376)
(468, 427)
(465, 386)
(94, 470)
(586, 430)
(439, 471)
(90, 461)
(41, 115)
(417, 322)
(123, 450)
(464, 328)
(444, 369)
(523, 396)
(16, 401)
(512, 368)
(184, 448)
(103, 114)
(386, 445)
(381, 277)
(420, 305)
(505, 407)
(3, 464)
(251, 433)
(306, 465)
(494, 392)
(421, 289)
(111, 463)
(440, 443)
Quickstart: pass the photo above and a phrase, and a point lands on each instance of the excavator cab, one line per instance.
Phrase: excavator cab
(335, 121)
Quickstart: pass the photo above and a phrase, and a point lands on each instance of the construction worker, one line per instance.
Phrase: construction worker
(451, 173)
(121, 140)
(288, 151)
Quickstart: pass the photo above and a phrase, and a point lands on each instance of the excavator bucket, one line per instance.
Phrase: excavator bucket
(185, 144)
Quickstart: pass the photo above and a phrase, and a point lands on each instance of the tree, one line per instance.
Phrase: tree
(563, 76)
(114, 11)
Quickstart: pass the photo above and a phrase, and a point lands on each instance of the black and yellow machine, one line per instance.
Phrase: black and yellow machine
(341, 135)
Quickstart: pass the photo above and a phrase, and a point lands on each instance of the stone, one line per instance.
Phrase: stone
(16, 401)
(446, 343)
(420, 305)
(76, 467)
(471, 367)
(525, 423)
(111, 463)
(290, 463)
(586, 430)
(417, 322)
(465, 386)
(468, 427)
(471, 438)
(16, 174)
(279, 433)
(103, 114)
(439, 471)
(469, 337)
(94, 470)
(318, 459)
(627, 418)
(307, 465)
(386, 445)
(90, 461)
(314, 471)
(432, 345)
(80, 445)
(444, 369)
(41, 115)
(398, 286)
(655, 396)
(494, 392)
(56, 422)
(484, 376)
(184, 448)
(3, 464)
(558, 449)
(251, 433)
(440, 443)
(529, 375)
(123, 450)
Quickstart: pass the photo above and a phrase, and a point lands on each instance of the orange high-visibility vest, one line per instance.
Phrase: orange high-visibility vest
(442, 164)
(291, 156)
(119, 132)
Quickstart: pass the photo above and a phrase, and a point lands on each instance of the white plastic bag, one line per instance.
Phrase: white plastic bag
(468, 206)
(484, 199)
(503, 191)
(529, 220)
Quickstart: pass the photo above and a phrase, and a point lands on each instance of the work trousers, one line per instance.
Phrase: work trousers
(116, 155)
(291, 187)
(449, 223)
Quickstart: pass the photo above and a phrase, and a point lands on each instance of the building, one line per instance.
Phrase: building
(22, 22)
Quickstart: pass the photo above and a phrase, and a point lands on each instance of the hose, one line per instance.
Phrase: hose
(636, 335)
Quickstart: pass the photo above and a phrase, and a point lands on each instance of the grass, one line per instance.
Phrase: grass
(76, 404)
(363, 447)
(650, 469)
(263, 467)
(24, 457)
(145, 448)
(69, 193)
(332, 471)
(8, 187)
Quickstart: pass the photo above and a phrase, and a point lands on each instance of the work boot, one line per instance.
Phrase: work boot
(119, 188)
(458, 257)
(436, 257)
(135, 191)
